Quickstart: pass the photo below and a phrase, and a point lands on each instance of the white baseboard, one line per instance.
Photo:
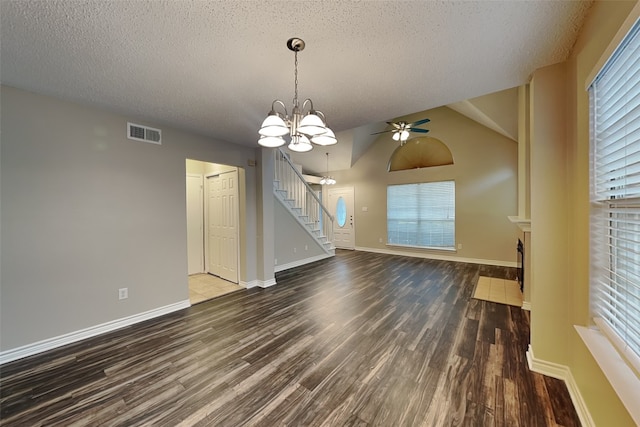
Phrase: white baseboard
(258, 283)
(526, 305)
(298, 263)
(55, 342)
(563, 373)
(442, 257)
(266, 283)
(248, 285)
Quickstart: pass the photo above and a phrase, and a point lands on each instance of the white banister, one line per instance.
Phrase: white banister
(301, 196)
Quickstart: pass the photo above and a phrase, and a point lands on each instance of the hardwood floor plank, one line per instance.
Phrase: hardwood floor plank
(360, 339)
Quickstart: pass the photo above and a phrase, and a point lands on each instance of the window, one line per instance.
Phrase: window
(341, 212)
(422, 215)
(615, 198)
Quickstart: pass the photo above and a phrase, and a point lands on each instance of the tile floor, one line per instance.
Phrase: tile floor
(502, 291)
(206, 286)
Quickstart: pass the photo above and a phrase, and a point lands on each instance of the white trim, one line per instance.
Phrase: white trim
(526, 305)
(620, 375)
(563, 373)
(248, 285)
(439, 257)
(279, 268)
(55, 342)
(266, 283)
(257, 283)
(202, 224)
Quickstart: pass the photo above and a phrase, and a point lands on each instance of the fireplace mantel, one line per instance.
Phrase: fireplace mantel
(523, 223)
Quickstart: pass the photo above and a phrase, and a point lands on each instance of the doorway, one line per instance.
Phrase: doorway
(341, 206)
(213, 220)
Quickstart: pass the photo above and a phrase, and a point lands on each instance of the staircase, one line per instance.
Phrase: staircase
(295, 194)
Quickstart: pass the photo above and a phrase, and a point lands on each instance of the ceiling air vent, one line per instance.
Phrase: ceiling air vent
(144, 133)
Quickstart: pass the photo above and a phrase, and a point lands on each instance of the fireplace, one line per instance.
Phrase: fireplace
(520, 268)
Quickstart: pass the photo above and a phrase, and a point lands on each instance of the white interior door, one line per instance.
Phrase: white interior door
(195, 224)
(341, 206)
(222, 225)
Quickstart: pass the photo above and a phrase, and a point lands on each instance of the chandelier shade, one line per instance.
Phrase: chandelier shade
(327, 138)
(312, 125)
(303, 128)
(300, 144)
(271, 141)
(273, 125)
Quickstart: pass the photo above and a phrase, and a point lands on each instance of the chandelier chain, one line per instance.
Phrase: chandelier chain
(295, 92)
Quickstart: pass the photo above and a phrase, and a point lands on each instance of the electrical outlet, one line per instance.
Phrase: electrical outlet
(275, 261)
(380, 240)
(459, 245)
(306, 248)
(123, 293)
(295, 250)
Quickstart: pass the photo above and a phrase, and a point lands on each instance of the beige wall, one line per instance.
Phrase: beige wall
(86, 211)
(548, 213)
(485, 172)
(560, 212)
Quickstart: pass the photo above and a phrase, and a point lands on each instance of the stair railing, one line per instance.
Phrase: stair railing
(300, 192)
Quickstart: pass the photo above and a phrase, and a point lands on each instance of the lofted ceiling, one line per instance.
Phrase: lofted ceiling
(214, 67)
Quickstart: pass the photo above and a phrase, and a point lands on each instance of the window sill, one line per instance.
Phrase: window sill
(426, 248)
(622, 378)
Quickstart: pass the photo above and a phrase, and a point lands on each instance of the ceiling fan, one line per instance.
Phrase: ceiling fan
(401, 129)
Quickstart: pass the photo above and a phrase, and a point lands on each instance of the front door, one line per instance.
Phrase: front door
(341, 207)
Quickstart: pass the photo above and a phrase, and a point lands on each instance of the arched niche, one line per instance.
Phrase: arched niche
(420, 152)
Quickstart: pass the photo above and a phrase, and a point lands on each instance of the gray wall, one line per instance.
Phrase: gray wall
(291, 238)
(86, 211)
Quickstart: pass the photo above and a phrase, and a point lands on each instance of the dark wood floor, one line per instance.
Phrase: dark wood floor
(360, 339)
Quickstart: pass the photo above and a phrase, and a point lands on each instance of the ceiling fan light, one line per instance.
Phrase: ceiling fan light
(396, 136)
(323, 181)
(327, 138)
(273, 125)
(312, 124)
(404, 135)
(271, 141)
(331, 181)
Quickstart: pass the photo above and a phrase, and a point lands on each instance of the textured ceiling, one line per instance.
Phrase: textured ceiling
(214, 67)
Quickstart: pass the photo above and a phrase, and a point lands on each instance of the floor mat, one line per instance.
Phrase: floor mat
(502, 291)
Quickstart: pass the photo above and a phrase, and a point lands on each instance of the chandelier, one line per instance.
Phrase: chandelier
(302, 128)
(327, 180)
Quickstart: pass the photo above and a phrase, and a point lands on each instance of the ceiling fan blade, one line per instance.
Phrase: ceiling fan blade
(384, 131)
(395, 125)
(419, 130)
(420, 122)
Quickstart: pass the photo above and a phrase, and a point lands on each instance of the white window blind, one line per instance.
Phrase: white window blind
(422, 215)
(615, 198)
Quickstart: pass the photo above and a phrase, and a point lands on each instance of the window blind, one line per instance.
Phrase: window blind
(615, 197)
(421, 215)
